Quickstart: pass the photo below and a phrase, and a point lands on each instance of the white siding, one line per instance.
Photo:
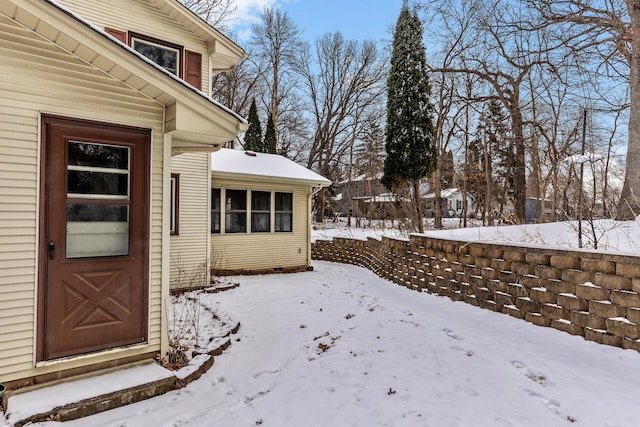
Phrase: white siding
(256, 251)
(37, 77)
(189, 251)
(143, 18)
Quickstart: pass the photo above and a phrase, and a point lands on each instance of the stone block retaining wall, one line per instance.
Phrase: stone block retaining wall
(586, 293)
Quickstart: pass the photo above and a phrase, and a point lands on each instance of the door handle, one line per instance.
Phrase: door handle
(52, 249)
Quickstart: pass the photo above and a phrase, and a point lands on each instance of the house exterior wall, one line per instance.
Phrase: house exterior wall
(37, 77)
(261, 251)
(144, 18)
(190, 247)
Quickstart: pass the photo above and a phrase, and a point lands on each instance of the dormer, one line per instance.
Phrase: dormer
(166, 32)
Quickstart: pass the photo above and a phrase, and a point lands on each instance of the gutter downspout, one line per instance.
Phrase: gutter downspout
(313, 190)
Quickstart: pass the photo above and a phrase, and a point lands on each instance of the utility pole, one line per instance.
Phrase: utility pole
(580, 196)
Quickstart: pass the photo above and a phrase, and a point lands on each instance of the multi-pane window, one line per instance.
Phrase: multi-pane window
(98, 199)
(284, 212)
(215, 210)
(260, 211)
(235, 211)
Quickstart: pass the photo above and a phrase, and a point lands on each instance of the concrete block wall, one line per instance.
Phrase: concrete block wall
(587, 293)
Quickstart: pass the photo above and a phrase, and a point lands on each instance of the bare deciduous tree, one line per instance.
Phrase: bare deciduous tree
(276, 47)
(611, 30)
(215, 12)
(343, 80)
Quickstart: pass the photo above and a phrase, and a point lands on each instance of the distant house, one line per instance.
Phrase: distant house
(98, 99)
(538, 210)
(366, 197)
(354, 194)
(260, 212)
(452, 200)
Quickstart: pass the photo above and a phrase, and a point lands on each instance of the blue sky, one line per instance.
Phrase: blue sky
(356, 19)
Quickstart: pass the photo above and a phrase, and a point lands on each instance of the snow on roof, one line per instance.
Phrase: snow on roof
(385, 198)
(263, 165)
(360, 178)
(446, 193)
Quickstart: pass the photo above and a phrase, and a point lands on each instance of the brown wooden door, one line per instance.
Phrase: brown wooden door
(93, 292)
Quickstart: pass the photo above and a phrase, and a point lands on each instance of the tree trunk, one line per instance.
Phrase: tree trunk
(629, 206)
(520, 183)
(486, 213)
(417, 209)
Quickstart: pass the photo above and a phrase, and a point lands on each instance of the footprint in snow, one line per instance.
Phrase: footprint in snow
(552, 405)
(273, 371)
(259, 394)
(535, 376)
(469, 353)
(452, 334)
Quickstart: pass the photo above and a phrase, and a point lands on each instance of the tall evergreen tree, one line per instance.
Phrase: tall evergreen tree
(253, 136)
(270, 142)
(411, 154)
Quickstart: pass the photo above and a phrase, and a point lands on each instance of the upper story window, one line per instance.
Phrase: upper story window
(174, 58)
(166, 55)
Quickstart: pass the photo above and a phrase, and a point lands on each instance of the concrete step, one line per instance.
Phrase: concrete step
(88, 394)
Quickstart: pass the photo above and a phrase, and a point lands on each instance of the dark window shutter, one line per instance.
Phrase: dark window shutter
(193, 69)
(118, 34)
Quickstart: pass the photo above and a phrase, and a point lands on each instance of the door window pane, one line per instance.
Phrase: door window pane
(260, 211)
(97, 169)
(98, 155)
(85, 182)
(95, 230)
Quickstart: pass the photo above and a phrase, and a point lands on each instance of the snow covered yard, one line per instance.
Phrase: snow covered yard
(340, 347)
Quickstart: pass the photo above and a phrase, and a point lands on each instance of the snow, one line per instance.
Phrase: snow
(268, 166)
(621, 237)
(47, 398)
(339, 346)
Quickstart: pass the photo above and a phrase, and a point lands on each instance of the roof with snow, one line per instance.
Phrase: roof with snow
(262, 165)
(446, 193)
(361, 178)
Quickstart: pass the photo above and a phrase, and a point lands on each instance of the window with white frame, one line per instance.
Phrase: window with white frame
(235, 211)
(260, 211)
(253, 211)
(284, 212)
